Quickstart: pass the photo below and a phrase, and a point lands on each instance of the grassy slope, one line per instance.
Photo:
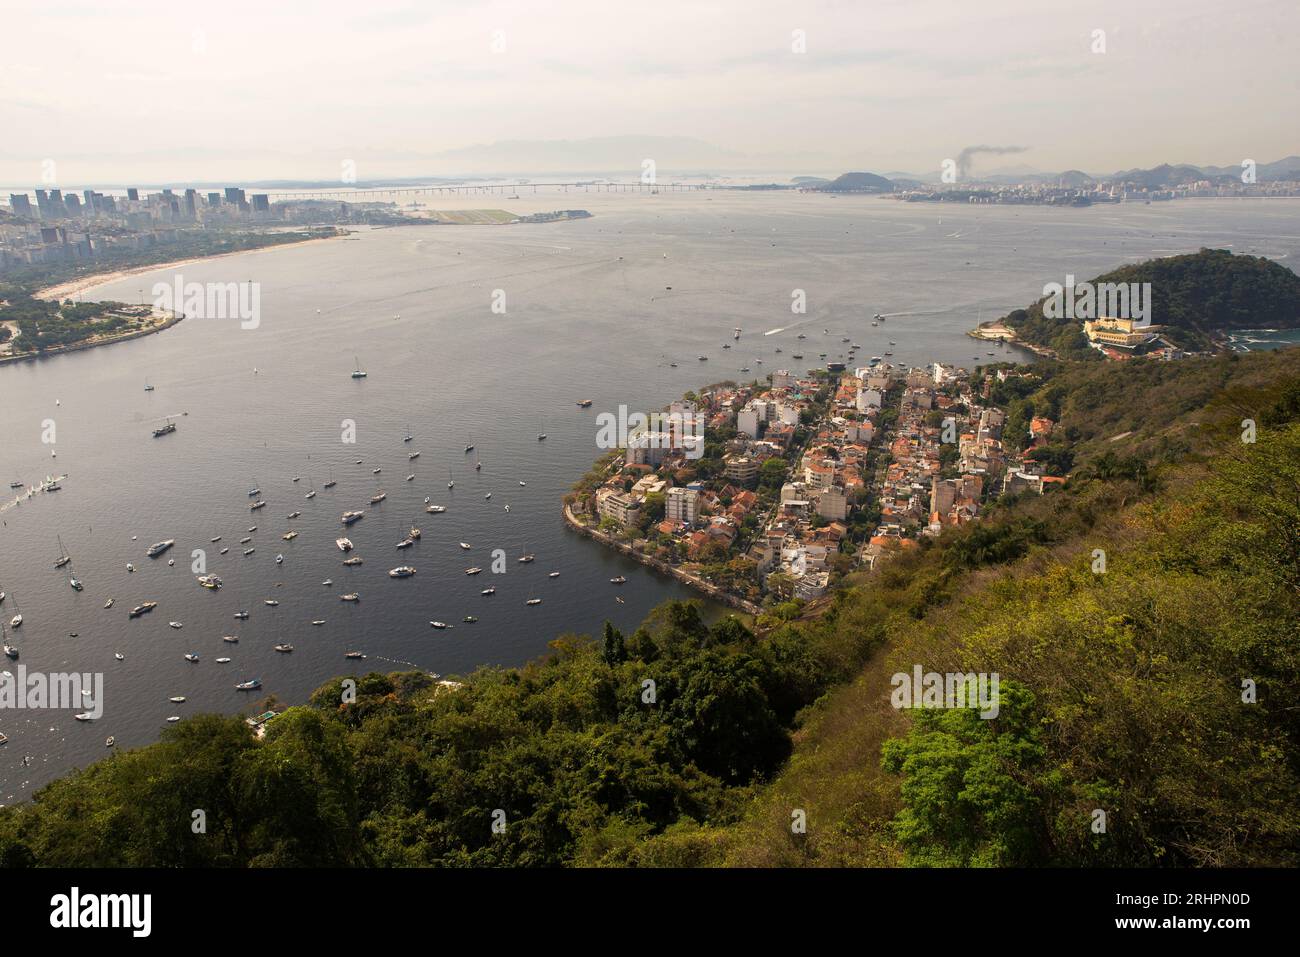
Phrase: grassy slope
(1014, 619)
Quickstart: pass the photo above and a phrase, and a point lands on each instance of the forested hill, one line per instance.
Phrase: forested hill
(1159, 690)
(1196, 298)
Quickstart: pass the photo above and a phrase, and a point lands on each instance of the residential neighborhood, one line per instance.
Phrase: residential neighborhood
(809, 477)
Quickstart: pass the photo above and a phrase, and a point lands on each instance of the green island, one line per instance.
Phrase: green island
(1197, 299)
(1136, 588)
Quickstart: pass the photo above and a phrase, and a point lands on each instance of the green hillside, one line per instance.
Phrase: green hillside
(1196, 298)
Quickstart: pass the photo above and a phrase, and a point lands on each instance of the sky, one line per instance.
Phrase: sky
(173, 91)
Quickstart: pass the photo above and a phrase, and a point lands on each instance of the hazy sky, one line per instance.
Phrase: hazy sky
(171, 90)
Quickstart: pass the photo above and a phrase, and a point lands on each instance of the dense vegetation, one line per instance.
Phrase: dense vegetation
(42, 325)
(1122, 691)
(1196, 298)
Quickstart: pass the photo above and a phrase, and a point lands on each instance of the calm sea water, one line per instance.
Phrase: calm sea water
(588, 314)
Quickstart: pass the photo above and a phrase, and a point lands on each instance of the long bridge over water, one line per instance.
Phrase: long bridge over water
(509, 190)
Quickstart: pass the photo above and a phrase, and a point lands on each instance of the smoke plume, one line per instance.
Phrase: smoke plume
(970, 152)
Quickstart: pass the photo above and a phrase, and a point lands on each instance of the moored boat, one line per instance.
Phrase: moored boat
(143, 608)
(156, 549)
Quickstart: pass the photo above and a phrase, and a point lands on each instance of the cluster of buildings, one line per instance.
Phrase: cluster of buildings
(137, 210)
(698, 509)
(1124, 338)
(928, 464)
(809, 526)
(61, 227)
(69, 227)
(946, 458)
(1085, 194)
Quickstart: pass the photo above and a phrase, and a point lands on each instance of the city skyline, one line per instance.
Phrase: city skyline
(166, 94)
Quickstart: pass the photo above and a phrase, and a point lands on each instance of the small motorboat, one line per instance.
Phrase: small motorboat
(192, 658)
(175, 624)
(473, 571)
(110, 741)
(439, 624)
(223, 661)
(176, 699)
(241, 615)
(469, 619)
(466, 546)
(119, 656)
(230, 639)
(353, 654)
(318, 622)
(533, 601)
(109, 603)
(284, 648)
(270, 601)
(490, 590)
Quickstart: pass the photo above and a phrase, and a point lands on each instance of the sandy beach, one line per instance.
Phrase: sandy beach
(85, 284)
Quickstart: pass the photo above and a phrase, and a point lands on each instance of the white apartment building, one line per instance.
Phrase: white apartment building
(619, 506)
(681, 505)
